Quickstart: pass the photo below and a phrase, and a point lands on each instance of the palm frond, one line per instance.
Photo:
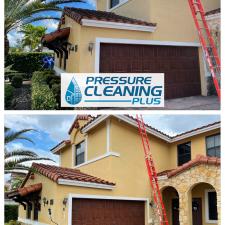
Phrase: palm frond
(17, 135)
(20, 152)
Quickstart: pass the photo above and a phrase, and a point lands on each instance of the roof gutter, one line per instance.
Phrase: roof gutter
(115, 25)
(85, 184)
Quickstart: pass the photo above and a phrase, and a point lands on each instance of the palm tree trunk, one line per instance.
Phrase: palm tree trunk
(6, 45)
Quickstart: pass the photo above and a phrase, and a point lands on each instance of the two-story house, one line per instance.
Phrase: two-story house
(134, 36)
(102, 178)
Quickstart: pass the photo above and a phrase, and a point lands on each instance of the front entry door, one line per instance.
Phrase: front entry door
(197, 211)
(175, 211)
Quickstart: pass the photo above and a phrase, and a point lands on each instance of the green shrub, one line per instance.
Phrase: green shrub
(11, 75)
(8, 95)
(43, 97)
(17, 81)
(11, 212)
(13, 222)
(26, 62)
(56, 89)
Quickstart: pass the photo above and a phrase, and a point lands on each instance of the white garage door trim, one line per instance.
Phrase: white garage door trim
(99, 40)
(72, 196)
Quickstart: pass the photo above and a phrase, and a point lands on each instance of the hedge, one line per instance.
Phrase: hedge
(11, 212)
(42, 95)
(8, 95)
(26, 62)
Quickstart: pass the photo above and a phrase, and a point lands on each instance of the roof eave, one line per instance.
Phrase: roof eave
(116, 25)
(57, 149)
(85, 184)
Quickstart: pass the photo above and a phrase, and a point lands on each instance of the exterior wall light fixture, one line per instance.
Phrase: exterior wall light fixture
(65, 200)
(45, 201)
(91, 47)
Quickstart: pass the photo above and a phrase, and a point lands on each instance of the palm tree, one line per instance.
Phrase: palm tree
(22, 12)
(14, 159)
(32, 35)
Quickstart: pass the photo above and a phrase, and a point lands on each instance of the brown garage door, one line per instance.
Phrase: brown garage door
(180, 65)
(107, 212)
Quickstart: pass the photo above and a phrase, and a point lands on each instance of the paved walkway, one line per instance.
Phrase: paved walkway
(22, 99)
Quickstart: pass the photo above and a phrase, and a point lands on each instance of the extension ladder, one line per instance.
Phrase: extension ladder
(207, 42)
(160, 208)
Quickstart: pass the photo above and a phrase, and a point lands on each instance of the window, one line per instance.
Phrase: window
(213, 145)
(79, 152)
(36, 209)
(29, 210)
(211, 206)
(114, 3)
(184, 153)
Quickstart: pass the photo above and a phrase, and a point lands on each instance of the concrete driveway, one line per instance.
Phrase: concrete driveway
(188, 103)
(193, 103)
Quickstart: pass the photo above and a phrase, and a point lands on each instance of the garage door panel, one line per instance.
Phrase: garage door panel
(107, 212)
(180, 65)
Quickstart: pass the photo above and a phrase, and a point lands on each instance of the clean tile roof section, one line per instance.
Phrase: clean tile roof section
(83, 15)
(56, 173)
(58, 34)
(199, 160)
(76, 124)
(24, 191)
(132, 121)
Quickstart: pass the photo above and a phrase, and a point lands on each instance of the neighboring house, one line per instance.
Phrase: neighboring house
(138, 36)
(102, 178)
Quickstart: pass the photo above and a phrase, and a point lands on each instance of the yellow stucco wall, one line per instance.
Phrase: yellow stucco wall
(49, 190)
(127, 169)
(97, 141)
(198, 147)
(199, 192)
(66, 157)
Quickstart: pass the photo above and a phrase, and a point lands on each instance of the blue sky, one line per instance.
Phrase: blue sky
(51, 129)
(51, 25)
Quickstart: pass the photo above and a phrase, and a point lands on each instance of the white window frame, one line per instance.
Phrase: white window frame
(71, 196)
(122, 2)
(74, 152)
(207, 207)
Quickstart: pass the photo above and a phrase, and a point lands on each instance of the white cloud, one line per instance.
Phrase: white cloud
(92, 2)
(176, 124)
(14, 37)
(55, 125)
(50, 24)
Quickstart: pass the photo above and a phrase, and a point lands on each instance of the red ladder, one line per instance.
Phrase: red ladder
(207, 42)
(161, 211)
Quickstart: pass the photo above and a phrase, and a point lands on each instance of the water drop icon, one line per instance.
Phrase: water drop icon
(73, 93)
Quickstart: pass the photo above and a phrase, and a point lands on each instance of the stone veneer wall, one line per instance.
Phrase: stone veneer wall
(184, 184)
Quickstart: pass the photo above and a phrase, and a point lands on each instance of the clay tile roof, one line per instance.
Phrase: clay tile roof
(199, 128)
(66, 142)
(212, 12)
(24, 191)
(55, 173)
(76, 123)
(199, 160)
(79, 14)
(131, 117)
(58, 34)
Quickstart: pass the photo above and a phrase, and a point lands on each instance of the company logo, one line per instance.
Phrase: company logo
(112, 90)
(73, 94)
